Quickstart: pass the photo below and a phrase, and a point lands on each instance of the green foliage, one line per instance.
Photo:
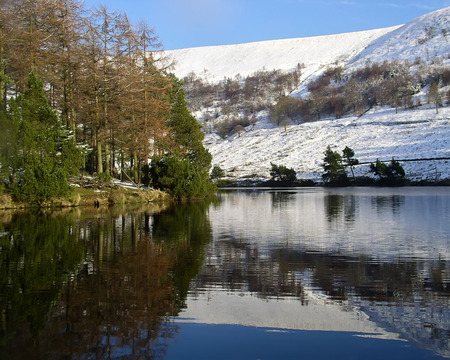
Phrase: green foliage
(281, 173)
(391, 174)
(184, 170)
(41, 156)
(187, 131)
(379, 168)
(35, 266)
(8, 144)
(348, 156)
(334, 168)
(179, 177)
(103, 178)
(217, 173)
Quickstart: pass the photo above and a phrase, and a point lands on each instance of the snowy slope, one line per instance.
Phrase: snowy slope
(381, 133)
(427, 37)
(217, 62)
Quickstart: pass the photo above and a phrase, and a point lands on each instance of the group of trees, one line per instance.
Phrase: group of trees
(335, 93)
(239, 98)
(38, 154)
(335, 168)
(107, 87)
(335, 164)
(389, 83)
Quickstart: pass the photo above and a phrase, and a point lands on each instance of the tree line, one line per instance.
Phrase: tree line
(238, 99)
(336, 168)
(108, 85)
(390, 83)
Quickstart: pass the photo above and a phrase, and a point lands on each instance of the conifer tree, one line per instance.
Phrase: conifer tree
(282, 173)
(44, 156)
(187, 134)
(217, 173)
(334, 168)
(391, 174)
(349, 159)
(184, 168)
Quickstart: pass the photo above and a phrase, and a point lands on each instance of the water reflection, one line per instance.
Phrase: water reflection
(285, 264)
(392, 203)
(367, 262)
(99, 286)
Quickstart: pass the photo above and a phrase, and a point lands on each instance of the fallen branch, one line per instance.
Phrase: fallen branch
(129, 178)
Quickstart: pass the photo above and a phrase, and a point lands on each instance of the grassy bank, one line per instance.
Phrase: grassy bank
(80, 196)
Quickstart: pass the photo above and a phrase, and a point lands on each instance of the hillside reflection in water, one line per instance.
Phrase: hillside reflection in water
(257, 273)
(370, 262)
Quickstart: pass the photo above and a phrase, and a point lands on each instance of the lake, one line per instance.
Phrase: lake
(301, 273)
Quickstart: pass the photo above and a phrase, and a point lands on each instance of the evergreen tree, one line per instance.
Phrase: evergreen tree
(217, 173)
(282, 173)
(44, 156)
(349, 159)
(392, 174)
(187, 134)
(334, 168)
(184, 168)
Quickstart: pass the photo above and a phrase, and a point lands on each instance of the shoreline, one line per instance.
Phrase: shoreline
(90, 197)
(311, 183)
(118, 195)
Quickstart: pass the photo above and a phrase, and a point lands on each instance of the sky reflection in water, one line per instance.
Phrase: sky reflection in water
(269, 274)
(365, 263)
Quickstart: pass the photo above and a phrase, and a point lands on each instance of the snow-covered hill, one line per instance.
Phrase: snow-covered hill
(380, 133)
(218, 62)
(427, 37)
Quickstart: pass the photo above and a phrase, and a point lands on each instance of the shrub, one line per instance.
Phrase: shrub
(217, 173)
(391, 174)
(179, 177)
(281, 173)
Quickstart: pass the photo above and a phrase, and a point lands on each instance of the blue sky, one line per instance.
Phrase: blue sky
(192, 23)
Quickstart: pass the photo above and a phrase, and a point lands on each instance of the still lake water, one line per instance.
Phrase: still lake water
(310, 273)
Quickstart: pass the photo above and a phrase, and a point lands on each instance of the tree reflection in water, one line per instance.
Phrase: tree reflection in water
(99, 285)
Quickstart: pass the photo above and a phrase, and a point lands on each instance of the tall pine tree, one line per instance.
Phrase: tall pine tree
(184, 168)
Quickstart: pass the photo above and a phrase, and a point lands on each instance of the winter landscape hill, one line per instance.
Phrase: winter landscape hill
(381, 132)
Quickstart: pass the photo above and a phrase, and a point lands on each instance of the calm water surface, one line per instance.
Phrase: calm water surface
(358, 273)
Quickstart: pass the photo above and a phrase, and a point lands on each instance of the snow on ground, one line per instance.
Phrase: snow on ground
(380, 133)
(427, 37)
(218, 62)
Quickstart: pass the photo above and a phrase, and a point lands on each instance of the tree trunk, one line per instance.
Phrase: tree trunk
(107, 160)
(135, 167)
(99, 157)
